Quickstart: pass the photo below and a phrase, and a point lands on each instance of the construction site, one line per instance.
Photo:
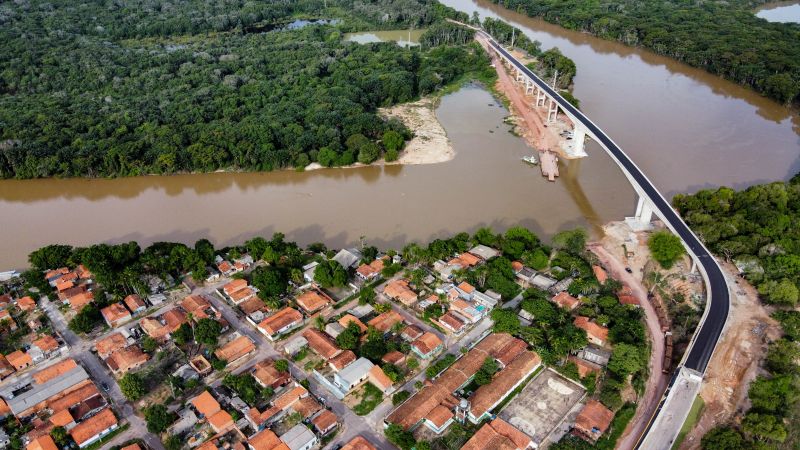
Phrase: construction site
(535, 117)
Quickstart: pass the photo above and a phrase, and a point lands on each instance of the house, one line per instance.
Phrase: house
(187, 420)
(205, 404)
(379, 379)
(386, 321)
(236, 349)
(593, 420)
(488, 300)
(281, 322)
(6, 369)
(361, 311)
(115, 314)
(484, 252)
(596, 334)
(313, 301)
(443, 390)
(600, 274)
(411, 333)
(19, 360)
(201, 365)
(135, 304)
(226, 268)
(267, 375)
(156, 299)
(452, 322)
(594, 355)
(266, 440)
(325, 422)
(584, 367)
(565, 301)
(199, 307)
(309, 270)
(299, 437)
(342, 360)
(347, 319)
(626, 297)
(26, 304)
(466, 310)
(44, 347)
(427, 345)
(44, 442)
(107, 345)
(464, 261)
(239, 291)
(221, 421)
(126, 359)
(321, 343)
(394, 357)
(439, 418)
(94, 428)
(334, 329)
(159, 328)
(295, 345)
(358, 443)
(499, 434)
(5, 317)
(353, 375)
(348, 258)
(79, 300)
(370, 271)
(399, 290)
(464, 290)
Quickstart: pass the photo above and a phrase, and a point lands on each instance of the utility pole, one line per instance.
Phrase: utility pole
(513, 33)
(555, 78)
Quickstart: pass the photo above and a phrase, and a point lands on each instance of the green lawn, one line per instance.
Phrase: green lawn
(370, 398)
(691, 421)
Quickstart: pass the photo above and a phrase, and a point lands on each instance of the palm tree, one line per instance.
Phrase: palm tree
(658, 280)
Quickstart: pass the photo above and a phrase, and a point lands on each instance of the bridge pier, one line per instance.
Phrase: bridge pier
(579, 140)
(529, 86)
(641, 221)
(540, 97)
(520, 76)
(552, 111)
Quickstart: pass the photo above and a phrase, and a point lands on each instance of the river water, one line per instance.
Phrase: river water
(783, 12)
(403, 38)
(686, 129)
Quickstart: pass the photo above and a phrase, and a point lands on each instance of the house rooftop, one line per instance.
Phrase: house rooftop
(358, 443)
(298, 437)
(235, 349)
(108, 344)
(206, 404)
(386, 321)
(41, 392)
(321, 343)
(594, 419)
(427, 343)
(42, 443)
(313, 300)
(500, 435)
(92, 426)
(591, 328)
(280, 320)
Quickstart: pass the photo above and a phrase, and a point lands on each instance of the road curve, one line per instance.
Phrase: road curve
(718, 301)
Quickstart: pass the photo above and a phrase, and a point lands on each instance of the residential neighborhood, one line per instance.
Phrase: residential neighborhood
(305, 349)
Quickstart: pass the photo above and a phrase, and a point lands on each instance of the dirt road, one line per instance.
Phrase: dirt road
(657, 382)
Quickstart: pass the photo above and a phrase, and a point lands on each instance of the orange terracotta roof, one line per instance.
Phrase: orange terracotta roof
(626, 297)
(77, 302)
(427, 343)
(56, 272)
(174, 318)
(196, 306)
(61, 418)
(266, 373)
(46, 343)
(342, 360)
(313, 300)
(412, 332)
(600, 274)
(439, 416)
(591, 328)
(235, 349)
(234, 286)
(266, 440)
(26, 303)
(452, 321)
(251, 305)
(498, 434)
(19, 360)
(42, 443)
(206, 404)
(393, 357)
(131, 447)
(566, 301)
(115, 312)
(108, 344)
(92, 426)
(134, 302)
(488, 395)
(64, 284)
(517, 266)
(384, 322)
(510, 351)
(289, 397)
(359, 443)
(400, 290)
(346, 319)
(325, 420)
(306, 407)
(221, 421)
(84, 392)
(379, 378)
(465, 260)
(584, 367)
(224, 267)
(466, 287)
(241, 294)
(321, 343)
(127, 358)
(280, 320)
(594, 416)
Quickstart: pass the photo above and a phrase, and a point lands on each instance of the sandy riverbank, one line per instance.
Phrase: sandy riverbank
(430, 144)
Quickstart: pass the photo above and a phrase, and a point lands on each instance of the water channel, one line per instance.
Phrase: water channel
(685, 128)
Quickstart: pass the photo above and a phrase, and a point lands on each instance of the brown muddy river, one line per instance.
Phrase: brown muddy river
(686, 129)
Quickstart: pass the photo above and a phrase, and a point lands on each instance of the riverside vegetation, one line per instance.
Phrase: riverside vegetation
(724, 38)
(758, 229)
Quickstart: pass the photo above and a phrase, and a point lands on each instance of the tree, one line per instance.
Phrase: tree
(486, 372)
(393, 141)
(348, 338)
(60, 436)
(158, 418)
(776, 394)
(205, 250)
(149, 345)
(723, 438)
(183, 335)
(173, 443)
(666, 248)
(50, 257)
(375, 346)
(282, 365)
(782, 292)
(400, 397)
(399, 437)
(572, 241)
(366, 295)
(781, 357)
(625, 360)
(207, 331)
(271, 281)
(505, 321)
(412, 363)
(132, 386)
(764, 427)
(85, 321)
(330, 273)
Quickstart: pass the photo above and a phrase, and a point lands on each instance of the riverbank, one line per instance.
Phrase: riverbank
(430, 144)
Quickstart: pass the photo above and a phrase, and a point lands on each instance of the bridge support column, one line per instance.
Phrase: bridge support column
(529, 86)
(520, 76)
(540, 97)
(579, 141)
(552, 111)
(644, 215)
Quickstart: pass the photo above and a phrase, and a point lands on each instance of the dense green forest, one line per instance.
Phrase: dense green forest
(722, 37)
(759, 230)
(118, 88)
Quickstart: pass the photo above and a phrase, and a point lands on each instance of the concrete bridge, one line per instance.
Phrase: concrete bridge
(674, 407)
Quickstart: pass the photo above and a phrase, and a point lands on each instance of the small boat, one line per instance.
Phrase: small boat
(530, 160)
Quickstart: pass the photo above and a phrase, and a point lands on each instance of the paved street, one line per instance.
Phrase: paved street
(80, 350)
